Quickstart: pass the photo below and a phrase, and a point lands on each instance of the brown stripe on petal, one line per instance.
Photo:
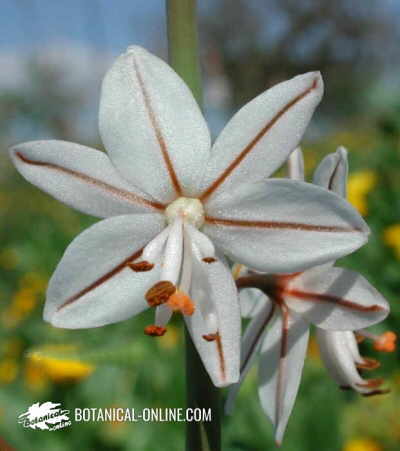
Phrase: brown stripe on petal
(282, 361)
(252, 346)
(101, 279)
(316, 297)
(156, 127)
(333, 175)
(235, 163)
(221, 356)
(116, 192)
(277, 225)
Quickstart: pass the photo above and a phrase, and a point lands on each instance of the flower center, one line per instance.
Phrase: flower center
(189, 209)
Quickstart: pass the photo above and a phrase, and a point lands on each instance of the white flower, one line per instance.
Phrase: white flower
(342, 358)
(167, 196)
(334, 299)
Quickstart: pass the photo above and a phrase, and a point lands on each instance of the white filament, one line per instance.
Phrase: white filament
(173, 253)
(202, 242)
(152, 252)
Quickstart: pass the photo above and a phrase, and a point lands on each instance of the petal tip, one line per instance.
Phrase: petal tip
(135, 49)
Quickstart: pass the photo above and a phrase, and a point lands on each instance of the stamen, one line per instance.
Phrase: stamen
(160, 293)
(386, 342)
(141, 266)
(210, 337)
(173, 253)
(202, 242)
(368, 364)
(153, 250)
(155, 331)
(181, 302)
(376, 392)
(371, 383)
(209, 260)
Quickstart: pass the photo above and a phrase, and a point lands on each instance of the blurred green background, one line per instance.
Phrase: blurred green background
(53, 59)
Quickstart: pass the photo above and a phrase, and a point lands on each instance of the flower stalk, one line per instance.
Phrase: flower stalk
(200, 391)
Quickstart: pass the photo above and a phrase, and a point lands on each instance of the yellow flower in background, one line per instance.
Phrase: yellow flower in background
(359, 184)
(34, 377)
(8, 370)
(169, 340)
(58, 363)
(391, 237)
(34, 281)
(362, 444)
(31, 287)
(22, 303)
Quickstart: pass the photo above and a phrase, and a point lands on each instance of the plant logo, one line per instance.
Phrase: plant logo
(47, 416)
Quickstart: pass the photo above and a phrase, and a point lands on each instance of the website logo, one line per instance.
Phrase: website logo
(47, 416)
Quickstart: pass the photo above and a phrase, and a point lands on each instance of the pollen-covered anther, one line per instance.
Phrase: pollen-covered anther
(160, 293)
(371, 383)
(181, 302)
(210, 337)
(209, 260)
(141, 266)
(386, 342)
(368, 364)
(377, 392)
(155, 331)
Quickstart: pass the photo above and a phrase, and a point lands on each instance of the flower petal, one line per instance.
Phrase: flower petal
(251, 301)
(93, 284)
(336, 298)
(296, 165)
(252, 339)
(260, 136)
(81, 177)
(152, 127)
(332, 172)
(213, 283)
(282, 358)
(285, 226)
(336, 353)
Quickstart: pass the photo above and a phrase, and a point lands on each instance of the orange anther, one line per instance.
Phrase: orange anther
(386, 342)
(155, 331)
(180, 301)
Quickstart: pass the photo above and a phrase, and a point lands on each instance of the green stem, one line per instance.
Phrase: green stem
(183, 43)
(200, 391)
